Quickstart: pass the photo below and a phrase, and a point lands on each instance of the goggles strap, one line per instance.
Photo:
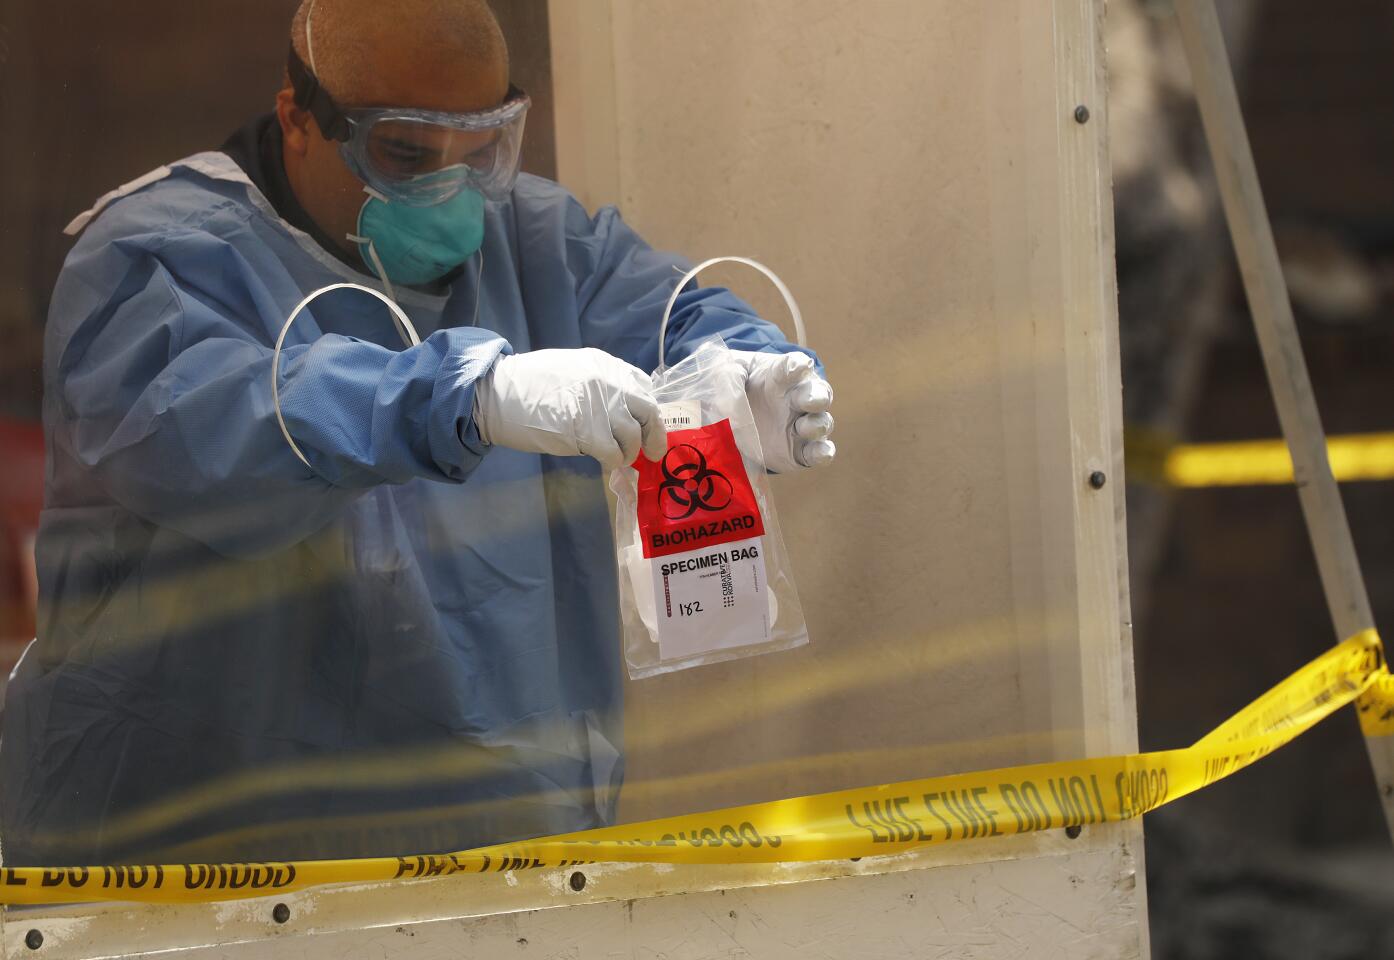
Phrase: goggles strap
(311, 96)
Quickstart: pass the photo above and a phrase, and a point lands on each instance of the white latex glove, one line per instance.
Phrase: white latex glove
(790, 402)
(570, 402)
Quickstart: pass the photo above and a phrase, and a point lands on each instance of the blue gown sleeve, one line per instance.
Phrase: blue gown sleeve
(623, 285)
(163, 347)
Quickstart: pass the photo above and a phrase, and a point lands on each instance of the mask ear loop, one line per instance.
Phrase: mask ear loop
(310, 37)
(400, 318)
(374, 260)
(800, 336)
(478, 288)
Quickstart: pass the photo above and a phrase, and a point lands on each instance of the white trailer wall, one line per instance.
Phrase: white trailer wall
(915, 171)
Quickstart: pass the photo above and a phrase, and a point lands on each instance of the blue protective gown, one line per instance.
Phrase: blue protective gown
(412, 645)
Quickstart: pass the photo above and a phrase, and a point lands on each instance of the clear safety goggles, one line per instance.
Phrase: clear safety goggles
(420, 157)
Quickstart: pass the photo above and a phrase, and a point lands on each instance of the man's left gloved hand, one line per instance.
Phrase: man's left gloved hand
(790, 402)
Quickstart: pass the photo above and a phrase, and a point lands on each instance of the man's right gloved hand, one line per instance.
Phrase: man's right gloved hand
(569, 403)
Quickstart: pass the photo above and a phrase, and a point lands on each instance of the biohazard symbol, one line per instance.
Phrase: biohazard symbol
(690, 485)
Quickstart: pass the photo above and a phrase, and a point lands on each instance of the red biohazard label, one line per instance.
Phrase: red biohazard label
(698, 495)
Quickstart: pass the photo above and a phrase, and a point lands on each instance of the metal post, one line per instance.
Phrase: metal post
(1252, 235)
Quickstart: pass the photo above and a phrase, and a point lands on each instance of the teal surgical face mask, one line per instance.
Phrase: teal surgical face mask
(414, 245)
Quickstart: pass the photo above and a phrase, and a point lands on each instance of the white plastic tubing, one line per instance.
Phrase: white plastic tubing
(404, 327)
(799, 333)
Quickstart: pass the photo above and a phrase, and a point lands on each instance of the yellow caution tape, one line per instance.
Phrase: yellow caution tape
(864, 822)
(1362, 456)
(1376, 706)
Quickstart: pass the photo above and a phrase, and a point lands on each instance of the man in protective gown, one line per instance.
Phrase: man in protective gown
(375, 613)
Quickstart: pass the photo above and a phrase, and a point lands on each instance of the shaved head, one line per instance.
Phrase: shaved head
(403, 52)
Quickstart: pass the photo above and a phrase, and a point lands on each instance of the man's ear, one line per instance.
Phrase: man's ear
(297, 126)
